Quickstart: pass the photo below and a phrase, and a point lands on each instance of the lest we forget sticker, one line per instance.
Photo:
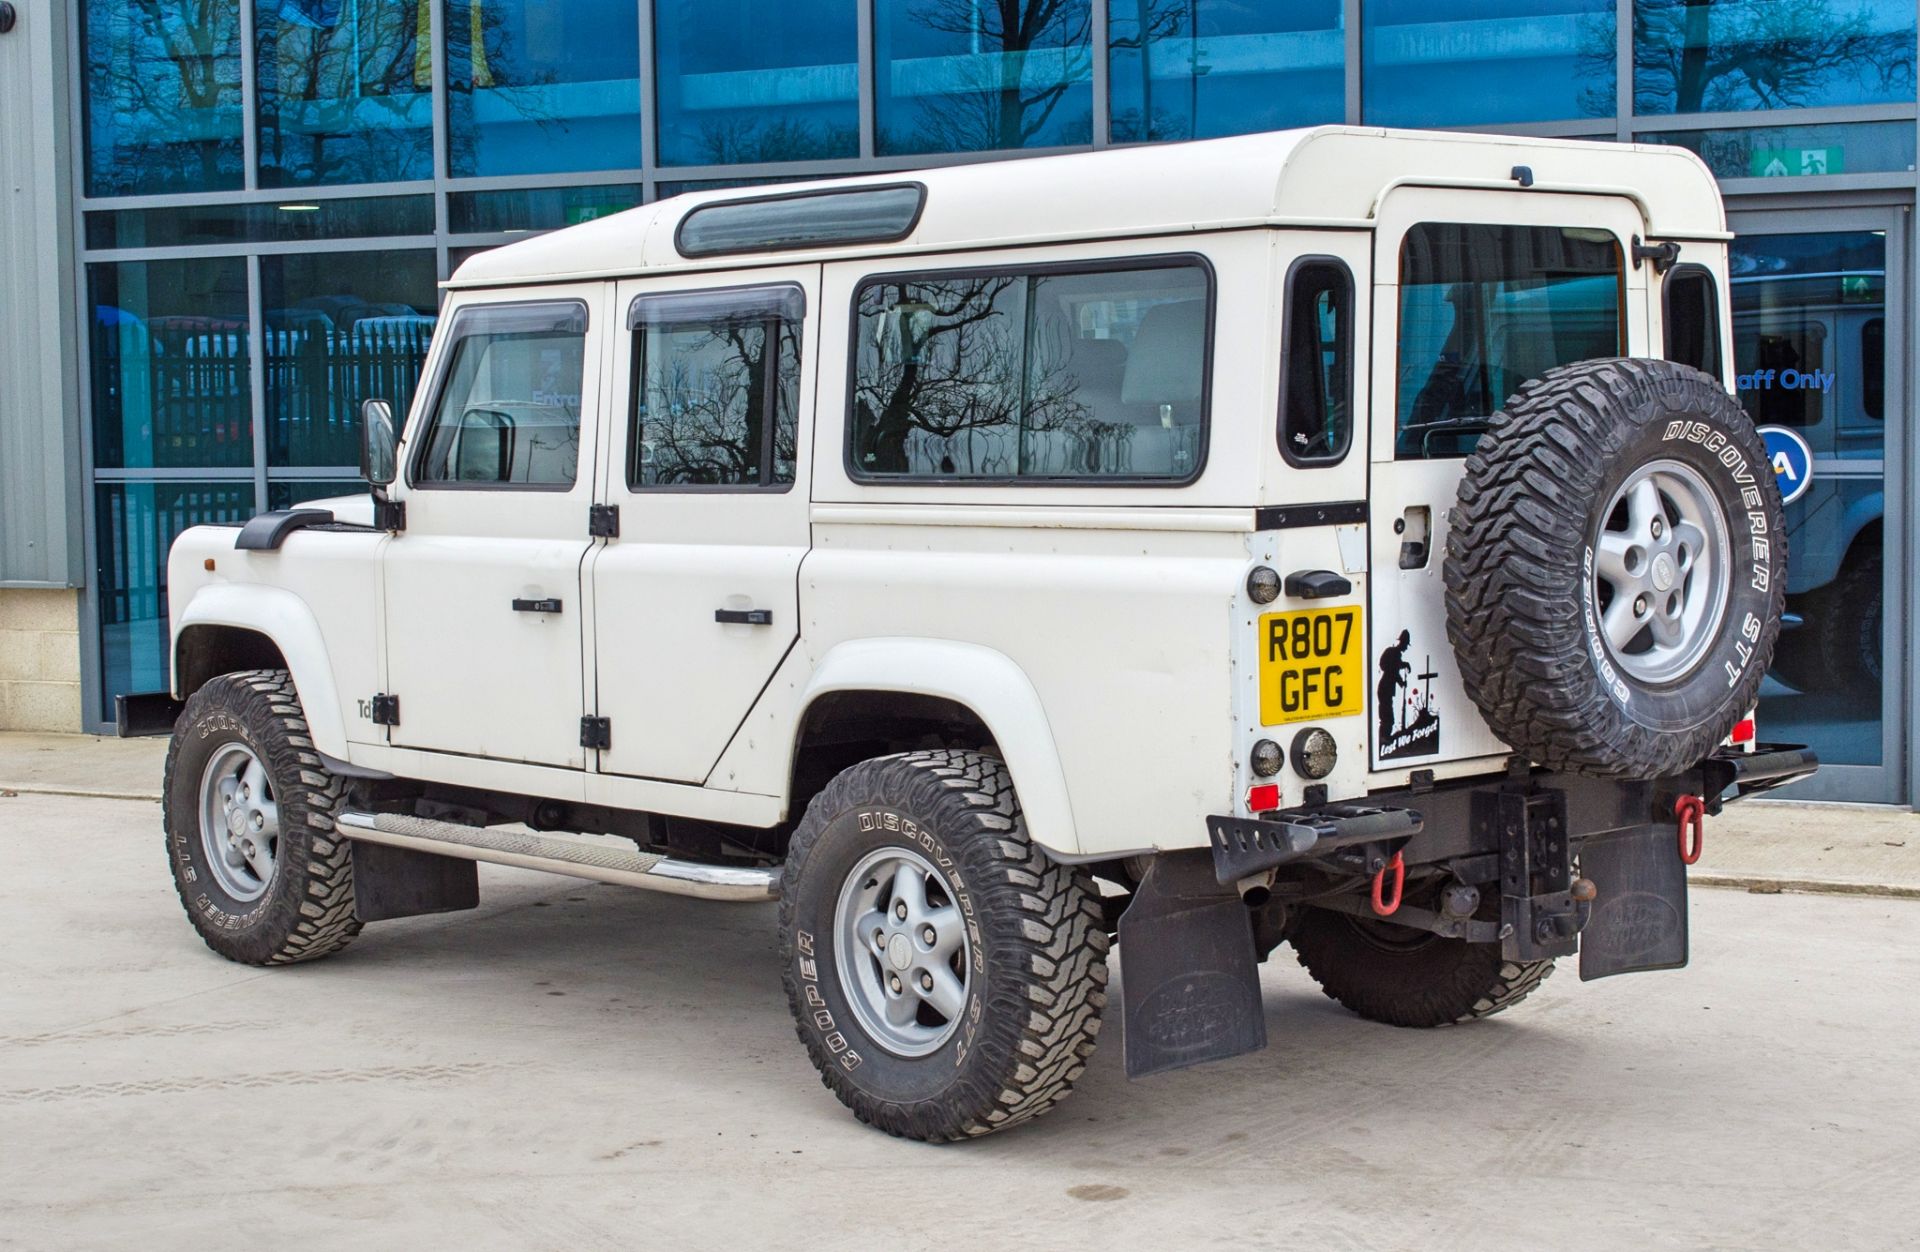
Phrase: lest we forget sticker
(1409, 722)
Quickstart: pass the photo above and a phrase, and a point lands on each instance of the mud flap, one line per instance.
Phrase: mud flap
(1639, 917)
(1189, 979)
(393, 882)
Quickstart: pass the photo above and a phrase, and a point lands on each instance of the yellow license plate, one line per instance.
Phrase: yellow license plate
(1312, 665)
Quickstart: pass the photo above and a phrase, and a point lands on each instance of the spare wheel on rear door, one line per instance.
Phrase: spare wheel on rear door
(1615, 568)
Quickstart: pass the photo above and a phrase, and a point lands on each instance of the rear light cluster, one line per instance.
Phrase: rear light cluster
(1312, 756)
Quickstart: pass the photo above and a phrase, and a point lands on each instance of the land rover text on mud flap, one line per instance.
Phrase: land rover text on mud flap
(1330, 537)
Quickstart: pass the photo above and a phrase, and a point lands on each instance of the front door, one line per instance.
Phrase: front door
(1474, 295)
(1817, 347)
(483, 605)
(697, 600)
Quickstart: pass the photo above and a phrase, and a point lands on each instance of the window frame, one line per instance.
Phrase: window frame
(1103, 265)
(1345, 325)
(636, 362)
(1692, 270)
(442, 374)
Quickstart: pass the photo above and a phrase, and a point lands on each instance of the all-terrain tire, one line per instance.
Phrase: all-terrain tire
(1036, 947)
(1405, 977)
(1524, 608)
(306, 911)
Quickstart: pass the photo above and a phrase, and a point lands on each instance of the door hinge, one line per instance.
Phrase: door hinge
(1662, 254)
(596, 733)
(386, 710)
(389, 515)
(603, 521)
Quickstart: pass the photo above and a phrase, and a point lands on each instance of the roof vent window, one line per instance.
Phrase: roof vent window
(801, 219)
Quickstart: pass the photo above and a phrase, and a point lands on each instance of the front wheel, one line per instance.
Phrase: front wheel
(946, 978)
(249, 823)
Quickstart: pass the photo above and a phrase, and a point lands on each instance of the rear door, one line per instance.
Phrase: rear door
(696, 601)
(1475, 293)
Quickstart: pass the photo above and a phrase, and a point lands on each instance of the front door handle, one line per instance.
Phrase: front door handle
(744, 617)
(536, 606)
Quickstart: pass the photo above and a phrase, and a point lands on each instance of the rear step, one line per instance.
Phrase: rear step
(562, 854)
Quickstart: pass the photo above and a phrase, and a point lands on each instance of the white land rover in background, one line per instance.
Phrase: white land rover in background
(1339, 537)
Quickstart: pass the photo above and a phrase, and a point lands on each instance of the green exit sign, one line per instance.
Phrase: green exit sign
(1796, 162)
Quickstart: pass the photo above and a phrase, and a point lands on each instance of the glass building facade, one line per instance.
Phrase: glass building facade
(268, 192)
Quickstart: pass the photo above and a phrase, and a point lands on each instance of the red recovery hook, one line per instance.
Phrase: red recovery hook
(1691, 814)
(1399, 867)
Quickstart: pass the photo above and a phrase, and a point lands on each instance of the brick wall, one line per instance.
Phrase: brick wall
(39, 660)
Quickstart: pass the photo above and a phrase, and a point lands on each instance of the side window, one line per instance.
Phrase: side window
(508, 412)
(1485, 308)
(1316, 397)
(1692, 318)
(1055, 374)
(716, 388)
(1873, 368)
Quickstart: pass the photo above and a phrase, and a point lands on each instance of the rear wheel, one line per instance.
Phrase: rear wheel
(1406, 977)
(946, 978)
(249, 824)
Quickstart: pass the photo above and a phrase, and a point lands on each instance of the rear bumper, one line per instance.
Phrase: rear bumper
(1448, 820)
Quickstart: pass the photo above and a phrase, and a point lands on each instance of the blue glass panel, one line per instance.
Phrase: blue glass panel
(345, 91)
(756, 80)
(169, 357)
(1809, 355)
(284, 222)
(340, 328)
(1798, 151)
(284, 493)
(1482, 62)
(542, 88)
(1694, 57)
(162, 96)
(535, 208)
(1193, 69)
(966, 76)
(135, 525)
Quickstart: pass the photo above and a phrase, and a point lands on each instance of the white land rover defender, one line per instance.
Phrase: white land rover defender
(1341, 537)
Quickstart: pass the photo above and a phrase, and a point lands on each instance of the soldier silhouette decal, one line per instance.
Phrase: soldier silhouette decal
(1403, 700)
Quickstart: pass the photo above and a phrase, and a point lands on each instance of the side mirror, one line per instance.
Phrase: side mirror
(376, 442)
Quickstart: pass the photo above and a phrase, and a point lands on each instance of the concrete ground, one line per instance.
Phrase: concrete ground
(585, 1066)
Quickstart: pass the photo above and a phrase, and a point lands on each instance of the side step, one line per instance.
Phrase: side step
(577, 856)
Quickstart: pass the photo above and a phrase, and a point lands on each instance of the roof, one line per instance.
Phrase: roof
(1324, 176)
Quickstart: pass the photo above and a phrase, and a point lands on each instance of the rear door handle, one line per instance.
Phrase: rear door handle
(536, 606)
(744, 617)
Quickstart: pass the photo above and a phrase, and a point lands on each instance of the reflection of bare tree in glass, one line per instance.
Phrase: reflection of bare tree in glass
(998, 106)
(707, 407)
(1708, 56)
(1135, 26)
(316, 75)
(959, 367)
(739, 140)
(160, 73)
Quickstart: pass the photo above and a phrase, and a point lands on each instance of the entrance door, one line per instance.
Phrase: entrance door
(1817, 346)
(482, 588)
(1474, 295)
(697, 601)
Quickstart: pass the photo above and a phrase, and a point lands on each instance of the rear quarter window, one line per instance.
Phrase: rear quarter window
(1062, 374)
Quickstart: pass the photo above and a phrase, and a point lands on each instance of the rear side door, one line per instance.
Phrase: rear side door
(696, 600)
(1475, 293)
(482, 588)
